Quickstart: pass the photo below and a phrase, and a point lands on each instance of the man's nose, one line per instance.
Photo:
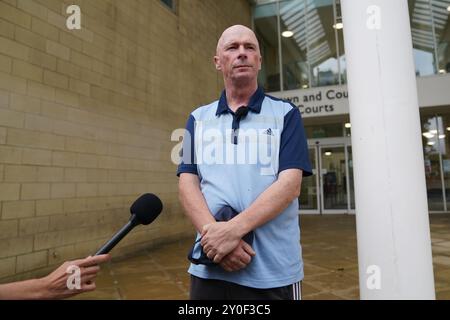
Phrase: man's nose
(242, 53)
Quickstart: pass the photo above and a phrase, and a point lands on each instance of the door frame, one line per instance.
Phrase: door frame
(317, 145)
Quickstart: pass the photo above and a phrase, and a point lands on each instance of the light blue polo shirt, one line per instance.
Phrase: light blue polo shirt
(235, 166)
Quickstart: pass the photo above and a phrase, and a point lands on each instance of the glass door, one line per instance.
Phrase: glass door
(309, 195)
(330, 189)
(334, 179)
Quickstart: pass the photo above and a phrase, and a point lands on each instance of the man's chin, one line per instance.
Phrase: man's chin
(243, 78)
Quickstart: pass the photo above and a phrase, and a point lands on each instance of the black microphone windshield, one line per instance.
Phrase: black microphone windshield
(143, 211)
(146, 208)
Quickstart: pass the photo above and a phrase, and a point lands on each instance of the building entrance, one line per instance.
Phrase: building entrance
(330, 189)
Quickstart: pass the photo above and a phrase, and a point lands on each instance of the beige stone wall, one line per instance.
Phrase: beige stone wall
(86, 117)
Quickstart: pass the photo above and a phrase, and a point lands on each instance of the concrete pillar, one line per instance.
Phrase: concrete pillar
(394, 246)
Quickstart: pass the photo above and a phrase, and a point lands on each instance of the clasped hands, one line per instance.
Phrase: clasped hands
(222, 243)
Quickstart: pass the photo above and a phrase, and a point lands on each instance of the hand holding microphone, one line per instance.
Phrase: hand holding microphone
(54, 286)
(143, 211)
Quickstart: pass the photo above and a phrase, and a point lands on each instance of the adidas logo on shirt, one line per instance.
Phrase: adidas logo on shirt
(268, 132)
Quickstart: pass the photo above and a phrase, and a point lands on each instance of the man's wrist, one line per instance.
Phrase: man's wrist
(240, 225)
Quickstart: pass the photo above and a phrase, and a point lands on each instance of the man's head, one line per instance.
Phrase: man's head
(238, 56)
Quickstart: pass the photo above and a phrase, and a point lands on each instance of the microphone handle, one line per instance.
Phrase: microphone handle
(117, 237)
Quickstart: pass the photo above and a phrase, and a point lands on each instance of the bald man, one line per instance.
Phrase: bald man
(245, 153)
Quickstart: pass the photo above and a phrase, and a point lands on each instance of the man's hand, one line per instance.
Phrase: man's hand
(219, 239)
(239, 258)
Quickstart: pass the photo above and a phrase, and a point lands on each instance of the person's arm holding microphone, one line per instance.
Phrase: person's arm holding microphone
(54, 286)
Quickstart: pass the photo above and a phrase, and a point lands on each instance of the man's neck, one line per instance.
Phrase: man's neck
(238, 96)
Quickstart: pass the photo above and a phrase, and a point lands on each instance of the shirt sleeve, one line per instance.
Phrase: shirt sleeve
(293, 145)
(188, 164)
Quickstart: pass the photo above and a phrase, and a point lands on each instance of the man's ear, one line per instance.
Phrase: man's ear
(216, 63)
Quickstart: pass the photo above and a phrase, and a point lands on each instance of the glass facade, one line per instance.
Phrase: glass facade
(265, 20)
(422, 36)
(436, 148)
(296, 70)
(302, 41)
(327, 130)
(436, 144)
(170, 3)
(430, 34)
(302, 46)
(324, 131)
(441, 23)
(330, 189)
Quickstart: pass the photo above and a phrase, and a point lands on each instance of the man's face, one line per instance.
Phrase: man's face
(238, 55)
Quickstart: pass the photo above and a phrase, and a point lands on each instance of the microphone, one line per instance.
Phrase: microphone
(143, 211)
(241, 112)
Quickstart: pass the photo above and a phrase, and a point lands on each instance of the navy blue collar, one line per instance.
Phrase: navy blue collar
(254, 105)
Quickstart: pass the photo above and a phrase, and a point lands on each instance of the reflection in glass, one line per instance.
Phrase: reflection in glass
(442, 32)
(266, 29)
(321, 43)
(308, 194)
(169, 3)
(422, 36)
(339, 27)
(312, 46)
(312, 50)
(295, 66)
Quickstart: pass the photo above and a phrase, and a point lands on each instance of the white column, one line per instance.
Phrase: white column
(393, 232)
